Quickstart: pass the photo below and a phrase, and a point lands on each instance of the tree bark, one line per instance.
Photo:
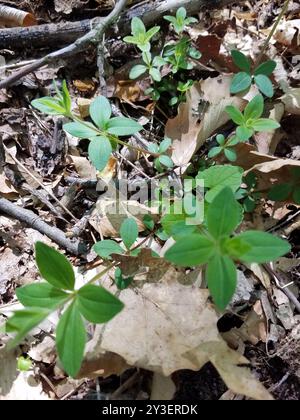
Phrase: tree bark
(57, 35)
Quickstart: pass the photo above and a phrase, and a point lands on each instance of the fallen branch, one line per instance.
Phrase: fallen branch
(35, 222)
(150, 13)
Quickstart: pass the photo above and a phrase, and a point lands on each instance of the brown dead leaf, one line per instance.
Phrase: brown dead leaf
(83, 167)
(273, 172)
(267, 142)
(189, 130)
(67, 6)
(165, 328)
(291, 100)
(288, 35)
(84, 86)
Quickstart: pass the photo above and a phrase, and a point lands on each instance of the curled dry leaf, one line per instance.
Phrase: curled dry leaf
(168, 327)
(268, 141)
(10, 17)
(287, 34)
(291, 100)
(274, 172)
(193, 126)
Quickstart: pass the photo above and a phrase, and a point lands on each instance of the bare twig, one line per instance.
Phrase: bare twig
(34, 221)
(92, 37)
(149, 12)
(40, 184)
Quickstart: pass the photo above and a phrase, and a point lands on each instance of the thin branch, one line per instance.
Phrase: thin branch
(35, 222)
(92, 37)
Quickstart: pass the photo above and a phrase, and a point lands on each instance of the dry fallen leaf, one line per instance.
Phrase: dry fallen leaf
(168, 327)
(15, 385)
(193, 126)
(291, 100)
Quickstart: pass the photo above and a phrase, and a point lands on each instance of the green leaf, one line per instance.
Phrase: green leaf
(235, 114)
(155, 74)
(151, 32)
(265, 124)
(244, 133)
(131, 40)
(255, 108)
(158, 61)
(181, 13)
(71, 339)
(220, 176)
(97, 305)
(107, 247)
(280, 192)
(100, 150)
(220, 139)
(121, 126)
(41, 295)
(191, 250)
(137, 26)
(81, 130)
(221, 278)
(121, 282)
(166, 161)
(66, 97)
(266, 68)
(240, 82)
(100, 111)
(215, 151)
(164, 145)
(264, 246)
(230, 155)
(129, 232)
(137, 71)
(241, 61)
(48, 105)
(23, 321)
(264, 84)
(54, 267)
(24, 364)
(224, 214)
(236, 247)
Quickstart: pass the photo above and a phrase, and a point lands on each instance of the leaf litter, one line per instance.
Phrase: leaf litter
(166, 326)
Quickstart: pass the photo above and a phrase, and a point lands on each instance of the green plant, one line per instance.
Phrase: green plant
(219, 250)
(139, 36)
(225, 147)
(175, 55)
(249, 196)
(129, 233)
(260, 75)
(92, 303)
(162, 162)
(180, 21)
(104, 130)
(249, 122)
(282, 192)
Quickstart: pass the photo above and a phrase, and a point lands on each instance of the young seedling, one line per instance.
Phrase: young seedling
(164, 161)
(282, 192)
(140, 36)
(92, 303)
(260, 76)
(219, 250)
(151, 66)
(129, 233)
(104, 130)
(248, 195)
(249, 122)
(225, 147)
(180, 21)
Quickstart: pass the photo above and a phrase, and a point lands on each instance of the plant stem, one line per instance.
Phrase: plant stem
(117, 140)
(265, 46)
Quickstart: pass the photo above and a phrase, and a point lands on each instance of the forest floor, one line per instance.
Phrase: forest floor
(47, 171)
